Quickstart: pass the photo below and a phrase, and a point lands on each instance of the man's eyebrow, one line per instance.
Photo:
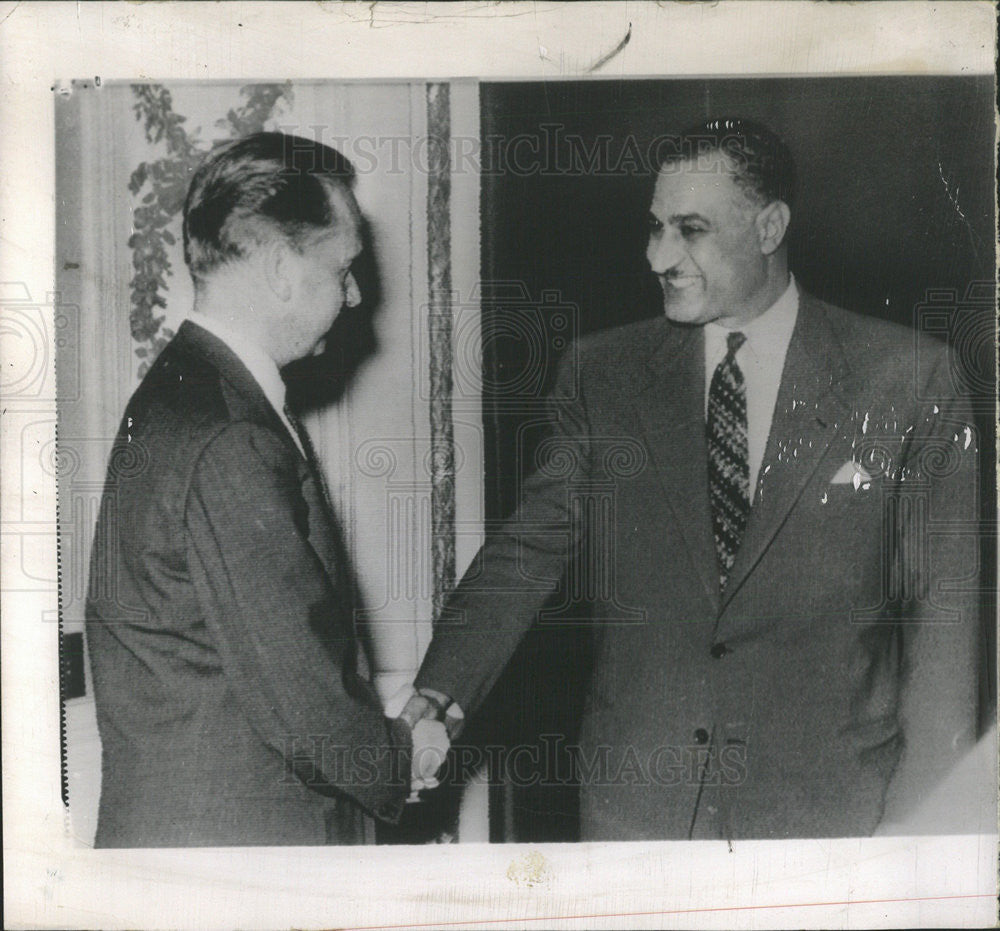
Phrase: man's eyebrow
(678, 218)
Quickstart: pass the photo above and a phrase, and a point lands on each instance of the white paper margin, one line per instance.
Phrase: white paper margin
(943, 882)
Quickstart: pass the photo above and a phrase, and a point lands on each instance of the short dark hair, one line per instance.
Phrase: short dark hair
(763, 164)
(248, 191)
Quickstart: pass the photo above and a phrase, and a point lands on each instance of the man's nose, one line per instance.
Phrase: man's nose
(352, 293)
(663, 252)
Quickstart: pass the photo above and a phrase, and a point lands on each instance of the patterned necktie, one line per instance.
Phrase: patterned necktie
(728, 458)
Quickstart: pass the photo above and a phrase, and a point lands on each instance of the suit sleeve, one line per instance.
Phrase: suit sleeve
(285, 641)
(941, 627)
(519, 566)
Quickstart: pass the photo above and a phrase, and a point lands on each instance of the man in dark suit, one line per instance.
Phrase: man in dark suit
(233, 701)
(791, 645)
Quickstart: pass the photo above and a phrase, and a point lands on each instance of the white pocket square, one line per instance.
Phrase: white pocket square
(851, 473)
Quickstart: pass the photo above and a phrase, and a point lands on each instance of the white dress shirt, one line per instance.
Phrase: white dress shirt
(761, 359)
(260, 365)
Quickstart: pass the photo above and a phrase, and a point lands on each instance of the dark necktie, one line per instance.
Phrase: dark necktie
(310, 454)
(728, 457)
(337, 559)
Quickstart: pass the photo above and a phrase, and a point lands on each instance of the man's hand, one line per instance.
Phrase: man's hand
(430, 747)
(425, 714)
(424, 706)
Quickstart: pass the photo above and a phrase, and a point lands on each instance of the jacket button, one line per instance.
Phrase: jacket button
(718, 650)
(701, 736)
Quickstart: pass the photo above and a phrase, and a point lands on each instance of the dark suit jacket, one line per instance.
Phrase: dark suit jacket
(836, 678)
(220, 628)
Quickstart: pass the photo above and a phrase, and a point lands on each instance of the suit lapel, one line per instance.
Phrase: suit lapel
(671, 409)
(322, 523)
(808, 413)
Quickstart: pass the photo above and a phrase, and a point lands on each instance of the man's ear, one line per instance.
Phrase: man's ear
(772, 223)
(278, 266)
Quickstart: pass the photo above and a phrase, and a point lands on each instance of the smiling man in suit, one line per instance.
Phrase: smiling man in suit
(794, 538)
(233, 699)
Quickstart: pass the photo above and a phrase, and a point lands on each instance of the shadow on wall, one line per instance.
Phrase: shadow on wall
(319, 381)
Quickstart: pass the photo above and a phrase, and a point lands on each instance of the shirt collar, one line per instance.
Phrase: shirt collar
(260, 365)
(766, 335)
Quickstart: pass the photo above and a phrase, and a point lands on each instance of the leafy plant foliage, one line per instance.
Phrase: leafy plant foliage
(161, 186)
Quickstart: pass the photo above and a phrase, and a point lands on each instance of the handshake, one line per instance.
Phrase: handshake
(433, 720)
